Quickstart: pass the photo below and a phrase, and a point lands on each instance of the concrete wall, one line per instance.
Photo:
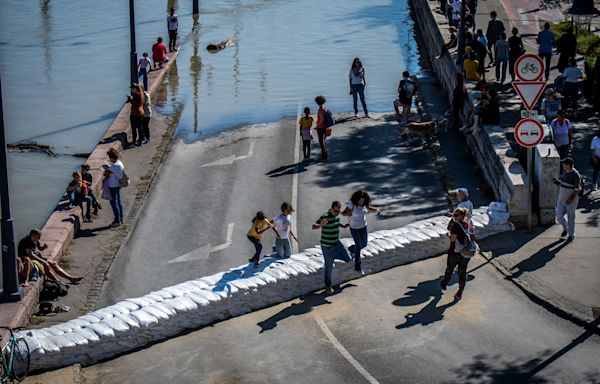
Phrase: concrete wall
(546, 168)
(491, 150)
(137, 322)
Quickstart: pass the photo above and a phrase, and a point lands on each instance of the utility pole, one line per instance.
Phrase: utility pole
(195, 7)
(133, 53)
(10, 279)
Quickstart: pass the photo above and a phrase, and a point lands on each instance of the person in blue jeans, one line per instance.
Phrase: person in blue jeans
(357, 85)
(113, 174)
(546, 39)
(329, 224)
(357, 209)
(282, 225)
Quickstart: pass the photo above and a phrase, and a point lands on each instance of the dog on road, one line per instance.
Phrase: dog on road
(423, 129)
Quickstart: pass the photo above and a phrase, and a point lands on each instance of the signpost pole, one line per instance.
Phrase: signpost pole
(529, 187)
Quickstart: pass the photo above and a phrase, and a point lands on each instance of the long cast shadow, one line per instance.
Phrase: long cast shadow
(539, 259)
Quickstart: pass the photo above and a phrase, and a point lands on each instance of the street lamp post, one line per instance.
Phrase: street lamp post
(10, 282)
(133, 54)
(195, 7)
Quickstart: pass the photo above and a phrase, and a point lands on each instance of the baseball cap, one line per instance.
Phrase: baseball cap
(463, 190)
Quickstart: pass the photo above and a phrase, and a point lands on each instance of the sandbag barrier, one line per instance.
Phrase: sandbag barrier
(137, 322)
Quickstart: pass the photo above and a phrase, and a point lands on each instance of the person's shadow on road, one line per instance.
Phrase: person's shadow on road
(539, 259)
(428, 292)
(305, 306)
(291, 169)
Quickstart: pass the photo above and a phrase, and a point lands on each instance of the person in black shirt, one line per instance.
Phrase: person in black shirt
(567, 46)
(515, 50)
(87, 177)
(457, 236)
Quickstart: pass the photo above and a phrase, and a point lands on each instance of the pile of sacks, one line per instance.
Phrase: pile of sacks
(136, 322)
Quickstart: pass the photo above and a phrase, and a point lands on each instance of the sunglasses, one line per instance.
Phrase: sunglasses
(337, 210)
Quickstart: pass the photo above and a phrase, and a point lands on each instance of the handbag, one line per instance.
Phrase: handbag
(469, 248)
(106, 192)
(327, 132)
(124, 180)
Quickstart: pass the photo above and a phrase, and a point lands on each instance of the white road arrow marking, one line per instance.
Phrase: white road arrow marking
(523, 16)
(231, 159)
(204, 252)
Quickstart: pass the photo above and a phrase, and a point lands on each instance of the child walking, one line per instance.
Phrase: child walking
(260, 224)
(306, 123)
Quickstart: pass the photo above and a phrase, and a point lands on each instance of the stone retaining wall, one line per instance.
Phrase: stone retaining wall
(502, 172)
(64, 222)
(137, 322)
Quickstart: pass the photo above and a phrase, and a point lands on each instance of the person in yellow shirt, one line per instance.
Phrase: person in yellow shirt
(471, 66)
(305, 124)
(260, 224)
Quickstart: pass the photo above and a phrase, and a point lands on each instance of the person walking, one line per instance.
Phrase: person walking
(172, 26)
(357, 209)
(459, 96)
(545, 39)
(144, 66)
(480, 50)
(494, 28)
(571, 75)
(460, 228)
(595, 159)
(406, 92)
(550, 105)
(282, 225)
(502, 55)
(114, 173)
(358, 83)
(562, 132)
(567, 47)
(321, 126)
(515, 50)
(329, 224)
(146, 117)
(260, 224)
(305, 123)
(569, 184)
(136, 99)
(159, 53)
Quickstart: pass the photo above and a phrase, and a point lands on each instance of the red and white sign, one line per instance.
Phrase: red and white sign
(529, 67)
(529, 92)
(529, 133)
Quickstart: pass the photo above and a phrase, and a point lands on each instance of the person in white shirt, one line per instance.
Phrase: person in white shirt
(144, 66)
(562, 133)
(113, 173)
(146, 118)
(172, 26)
(595, 152)
(282, 225)
(571, 75)
(357, 209)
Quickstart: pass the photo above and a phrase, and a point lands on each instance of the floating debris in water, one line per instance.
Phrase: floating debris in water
(31, 146)
(217, 47)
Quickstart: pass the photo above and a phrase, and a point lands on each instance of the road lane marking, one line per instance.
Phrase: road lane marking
(233, 158)
(295, 245)
(523, 16)
(202, 253)
(344, 352)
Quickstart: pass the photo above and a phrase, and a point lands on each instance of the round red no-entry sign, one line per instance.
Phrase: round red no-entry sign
(529, 67)
(529, 133)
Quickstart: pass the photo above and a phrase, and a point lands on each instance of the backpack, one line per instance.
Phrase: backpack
(52, 290)
(329, 119)
(469, 248)
(407, 89)
(124, 180)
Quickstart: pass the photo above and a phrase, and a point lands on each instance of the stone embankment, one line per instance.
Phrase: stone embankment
(64, 222)
(137, 322)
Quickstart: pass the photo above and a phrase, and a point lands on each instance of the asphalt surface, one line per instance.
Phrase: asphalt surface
(392, 327)
(199, 211)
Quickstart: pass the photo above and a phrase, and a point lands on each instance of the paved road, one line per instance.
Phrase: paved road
(208, 191)
(392, 327)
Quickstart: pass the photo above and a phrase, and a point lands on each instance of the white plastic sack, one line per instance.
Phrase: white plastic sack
(145, 319)
(498, 206)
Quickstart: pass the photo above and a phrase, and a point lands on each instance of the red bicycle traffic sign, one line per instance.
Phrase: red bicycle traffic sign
(529, 133)
(529, 67)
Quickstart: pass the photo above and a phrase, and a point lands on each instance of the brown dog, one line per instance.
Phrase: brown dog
(424, 129)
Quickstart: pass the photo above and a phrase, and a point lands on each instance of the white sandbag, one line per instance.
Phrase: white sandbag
(116, 324)
(268, 278)
(154, 297)
(212, 279)
(62, 342)
(64, 327)
(276, 273)
(166, 309)
(187, 287)
(87, 333)
(163, 294)
(176, 292)
(105, 313)
(129, 305)
(156, 312)
(91, 318)
(199, 284)
(240, 284)
(145, 319)
(48, 345)
(209, 295)
(385, 244)
(35, 347)
(76, 338)
(120, 308)
(141, 301)
(181, 304)
(429, 231)
(102, 329)
(255, 281)
(53, 331)
(287, 270)
(201, 301)
(129, 320)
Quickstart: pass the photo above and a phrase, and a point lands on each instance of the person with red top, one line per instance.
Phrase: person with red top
(159, 53)
(321, 127)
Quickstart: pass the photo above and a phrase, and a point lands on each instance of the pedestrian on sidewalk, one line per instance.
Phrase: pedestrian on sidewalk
(459, 230)
(406, 92)
(501, 51)
(595, 159)
(567, 47)
(459, 97)
(562, 132)
(455, 6)
(80, 192)
(146, 117)
(136, 99)
(282, 225)
(329, 224)
(114, 173)
(494, 28)
(571, 75)
(569, 184)
(357, 209)
(144, 67)
(550, 105)
(30, 247)
(453, 41)
(480, 50)
(87, 177)
(305, 123)
(545, 39)
(172, 26)
(358, 82)
(159, 53)
(515, 50)
(260, 224)
(483, 40)
(321, 125)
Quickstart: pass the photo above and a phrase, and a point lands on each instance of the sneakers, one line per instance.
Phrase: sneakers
(570, 238)
(360, 271)
(458, 295)
(564, 233)
(145, 141)
(328, 290)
